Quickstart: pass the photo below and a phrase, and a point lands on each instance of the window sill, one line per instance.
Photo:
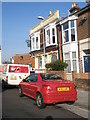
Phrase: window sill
(69, 42)
(34, 50)
(51, 45)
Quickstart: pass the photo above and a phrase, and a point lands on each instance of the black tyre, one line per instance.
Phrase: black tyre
(20, 91)
(39, 101)
(71, 102)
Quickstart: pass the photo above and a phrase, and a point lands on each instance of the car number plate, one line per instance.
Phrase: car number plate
(13, 78)
(63, 89)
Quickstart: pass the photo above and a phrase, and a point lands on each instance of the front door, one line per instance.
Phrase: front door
(87, 63)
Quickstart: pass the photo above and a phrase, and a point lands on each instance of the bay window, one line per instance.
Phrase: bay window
(68, 61)
(48, 36)
(68, 30)
(35, 42)
(65, 32)
(74, 62)
(53, 58)
(39, 62)
(51, 37)
(72, 30)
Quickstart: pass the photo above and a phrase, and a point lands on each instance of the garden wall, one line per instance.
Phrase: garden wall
(81, 80)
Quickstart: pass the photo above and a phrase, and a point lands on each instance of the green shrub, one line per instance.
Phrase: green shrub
(56, 65)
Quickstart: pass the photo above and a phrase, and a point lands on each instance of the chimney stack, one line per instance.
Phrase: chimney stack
(74, 8)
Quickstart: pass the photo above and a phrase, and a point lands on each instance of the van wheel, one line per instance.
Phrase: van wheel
(39, 101)
(20, 91)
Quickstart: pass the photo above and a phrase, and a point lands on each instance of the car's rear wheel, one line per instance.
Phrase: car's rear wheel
(20, 91)
(39, 101)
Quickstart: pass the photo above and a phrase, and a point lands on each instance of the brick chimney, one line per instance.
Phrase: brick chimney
(74, 8)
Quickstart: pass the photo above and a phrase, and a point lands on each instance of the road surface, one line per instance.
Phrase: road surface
(14, 106)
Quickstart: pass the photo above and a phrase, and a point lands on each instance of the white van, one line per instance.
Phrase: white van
(15, 73)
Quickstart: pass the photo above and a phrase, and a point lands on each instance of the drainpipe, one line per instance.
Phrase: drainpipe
(58, 45)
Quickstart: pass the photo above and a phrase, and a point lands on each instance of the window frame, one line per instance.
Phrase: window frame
(34, 44)
(67, 59)
(39, 66)
(69, 31)
(51, 27)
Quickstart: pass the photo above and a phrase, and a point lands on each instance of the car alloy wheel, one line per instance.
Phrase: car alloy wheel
(39, 101)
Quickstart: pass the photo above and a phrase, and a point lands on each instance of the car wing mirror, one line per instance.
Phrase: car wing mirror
(24, 80)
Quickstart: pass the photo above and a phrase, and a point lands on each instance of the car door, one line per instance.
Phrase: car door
(33, 85)
(25, 85)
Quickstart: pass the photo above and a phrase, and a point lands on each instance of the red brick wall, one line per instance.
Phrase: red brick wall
(81, 80)
(60, 73)
(83, 29)
(26, 59)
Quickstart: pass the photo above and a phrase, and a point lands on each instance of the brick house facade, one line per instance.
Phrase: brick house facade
(76, 39)
(71, 41)
(83, 36)
(51, 39)
(24, 59)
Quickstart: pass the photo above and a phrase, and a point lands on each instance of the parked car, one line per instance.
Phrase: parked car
(48, 89)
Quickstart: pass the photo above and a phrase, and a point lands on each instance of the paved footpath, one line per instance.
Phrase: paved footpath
(81, 106)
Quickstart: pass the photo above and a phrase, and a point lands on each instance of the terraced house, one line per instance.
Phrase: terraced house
(67, 39)
(44, 41)
(76, 39)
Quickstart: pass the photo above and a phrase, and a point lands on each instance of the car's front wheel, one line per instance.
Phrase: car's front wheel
(20, 91)
(39, 101)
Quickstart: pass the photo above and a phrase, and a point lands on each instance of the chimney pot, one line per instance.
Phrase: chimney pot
(50, 12)
(77, 5)
(74, 4)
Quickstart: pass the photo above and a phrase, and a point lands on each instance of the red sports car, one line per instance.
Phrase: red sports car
(48, 89)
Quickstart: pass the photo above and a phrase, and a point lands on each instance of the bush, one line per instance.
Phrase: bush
(56, 65)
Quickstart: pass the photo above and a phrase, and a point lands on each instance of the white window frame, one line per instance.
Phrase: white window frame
(50, 27)
(68, 59)
(32, 44)
(74, 59)
(35, 35)
(69, 30)
(40, 60)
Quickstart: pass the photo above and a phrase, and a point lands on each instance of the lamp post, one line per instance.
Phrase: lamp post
(41, 18)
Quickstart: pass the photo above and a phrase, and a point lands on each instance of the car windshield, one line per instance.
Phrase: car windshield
(50, 77)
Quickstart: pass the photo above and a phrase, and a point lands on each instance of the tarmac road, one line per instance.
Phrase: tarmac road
(14, 106)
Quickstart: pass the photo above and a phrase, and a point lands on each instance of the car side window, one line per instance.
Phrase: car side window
(33, 78)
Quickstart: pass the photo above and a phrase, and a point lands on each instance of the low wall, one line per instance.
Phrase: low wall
(60, 73)
(81, 80)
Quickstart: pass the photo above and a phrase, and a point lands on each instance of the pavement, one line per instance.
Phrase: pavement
(81, 106)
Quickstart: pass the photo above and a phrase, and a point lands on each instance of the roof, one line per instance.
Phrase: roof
(87, 7)
(51, 18)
